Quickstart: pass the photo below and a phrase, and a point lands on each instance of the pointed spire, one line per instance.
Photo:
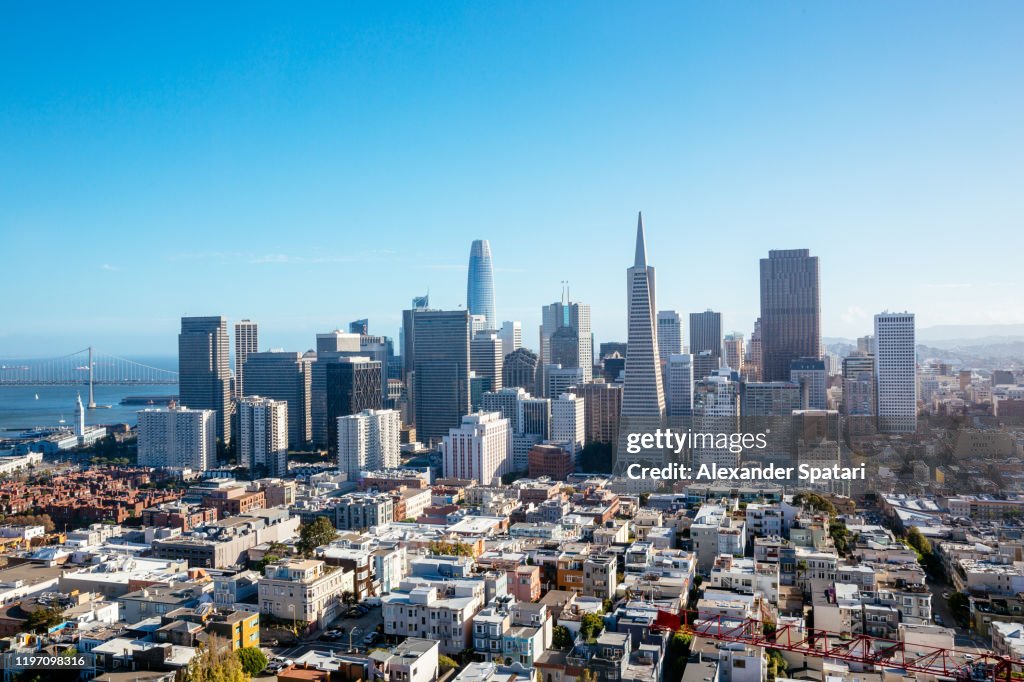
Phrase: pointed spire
(641, 245)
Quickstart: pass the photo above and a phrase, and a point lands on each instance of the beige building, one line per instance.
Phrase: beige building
(303, 590)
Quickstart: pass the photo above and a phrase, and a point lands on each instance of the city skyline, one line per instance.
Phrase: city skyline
(360, 151)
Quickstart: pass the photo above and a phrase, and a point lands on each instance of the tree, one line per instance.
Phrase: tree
(814, 502)
(561, 638)
(596, 458)
(960, 605)
(840, 536)
(316, 534)
(918, 541)
(253, 660)
(216, 663)
(590, 626)
(777, 665)
(446, 663)
(42, 620)
(677, 653)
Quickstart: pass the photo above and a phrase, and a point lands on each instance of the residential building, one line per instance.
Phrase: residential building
(177, 437)
(263, 435)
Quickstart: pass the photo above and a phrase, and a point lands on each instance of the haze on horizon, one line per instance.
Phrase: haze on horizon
(304, 168)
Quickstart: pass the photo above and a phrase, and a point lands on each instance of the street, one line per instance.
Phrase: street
(363, 625)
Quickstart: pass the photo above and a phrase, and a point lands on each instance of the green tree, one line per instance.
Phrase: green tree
(918, 541)
(561, 638)
(216, 663)
(960, 605)
(253, 660)
(840, 536)
(596, 458)
(777, 665)
(590, 626)
(42, 620)
(446, 663)
(676, 655)
(814, 502)
(316, 534)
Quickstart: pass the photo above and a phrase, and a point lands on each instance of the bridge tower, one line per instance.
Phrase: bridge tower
(92, 399)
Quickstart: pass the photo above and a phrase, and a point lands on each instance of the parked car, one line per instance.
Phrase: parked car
(371, 638)
(372, 601)
(363, 608)
(938, 619)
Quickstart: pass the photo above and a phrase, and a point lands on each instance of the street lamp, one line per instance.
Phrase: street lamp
(351, 632)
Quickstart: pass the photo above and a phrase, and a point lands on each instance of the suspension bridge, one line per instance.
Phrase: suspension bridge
(87, 367)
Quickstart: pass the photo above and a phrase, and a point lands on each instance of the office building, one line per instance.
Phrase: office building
(561, 379)
(790, 311)
(247, 341)
(204, 372)
(769, 399)
(545, 459)
(368, 441)
(705, 342)
(732, 347)
(353, 385)
(895, 372)
(565, 332)
(670, 334)
(511, 334)
(285, 376)
(177, 437)
(679, 385)
(480, 283)
(602, 403)
(486, 358)
(752, 359)
(534, 417)
(441, 386)
(329, 347)
(568, 423)
(859, 385)
(263, 435)
(715, 411)
(379, 349)
(479, 448)
(519, 369)
(812, 377)
(361, 327)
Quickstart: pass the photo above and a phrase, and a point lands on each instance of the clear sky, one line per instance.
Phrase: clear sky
(307, 167)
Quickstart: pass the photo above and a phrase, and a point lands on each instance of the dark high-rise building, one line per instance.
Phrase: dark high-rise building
(359, 327)
(353, 385)
(329, 347)
(520, 369)
(285, 377)
(441, 387)
(705, 343)
(609, 347)
(790, 311)
(204, 371)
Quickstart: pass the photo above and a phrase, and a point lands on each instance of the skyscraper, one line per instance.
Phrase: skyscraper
(368, 441)
(263, 435)
(441, 388)
(811, 376)
(752, 362)
(247, 341)
(705, 343)
(715, 411)
(353, 385)
(602, 403)
(511, 336)
(361, 327)
(732, 346)
(670, 333)
(204, 370)
(568, 423)
(790, 311)
(679, 385)
(643, 398)
(286, 376)
(329, 347)
(896, 372)
(565, 331)
(480, 283)
(486, 358)
(520, 369)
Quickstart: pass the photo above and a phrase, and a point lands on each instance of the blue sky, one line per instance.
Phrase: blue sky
(306, 168)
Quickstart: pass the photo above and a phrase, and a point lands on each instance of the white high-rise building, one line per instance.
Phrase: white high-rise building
(568, 423)
(247, 340)
(715, 411)
(263, 441)
(896, 372)
(511, 336)
(561, 379)
(177, 437)
(369, 441)
(479, 449)
(679, 385)
(670, 333)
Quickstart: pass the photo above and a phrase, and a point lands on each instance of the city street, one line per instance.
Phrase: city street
(363, 624)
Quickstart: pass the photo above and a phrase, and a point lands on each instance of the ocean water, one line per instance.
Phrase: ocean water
(21, 409)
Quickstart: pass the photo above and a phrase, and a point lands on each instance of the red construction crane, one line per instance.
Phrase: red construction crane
(949, 663)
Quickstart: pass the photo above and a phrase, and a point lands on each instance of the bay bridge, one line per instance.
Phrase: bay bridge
(87, 367)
